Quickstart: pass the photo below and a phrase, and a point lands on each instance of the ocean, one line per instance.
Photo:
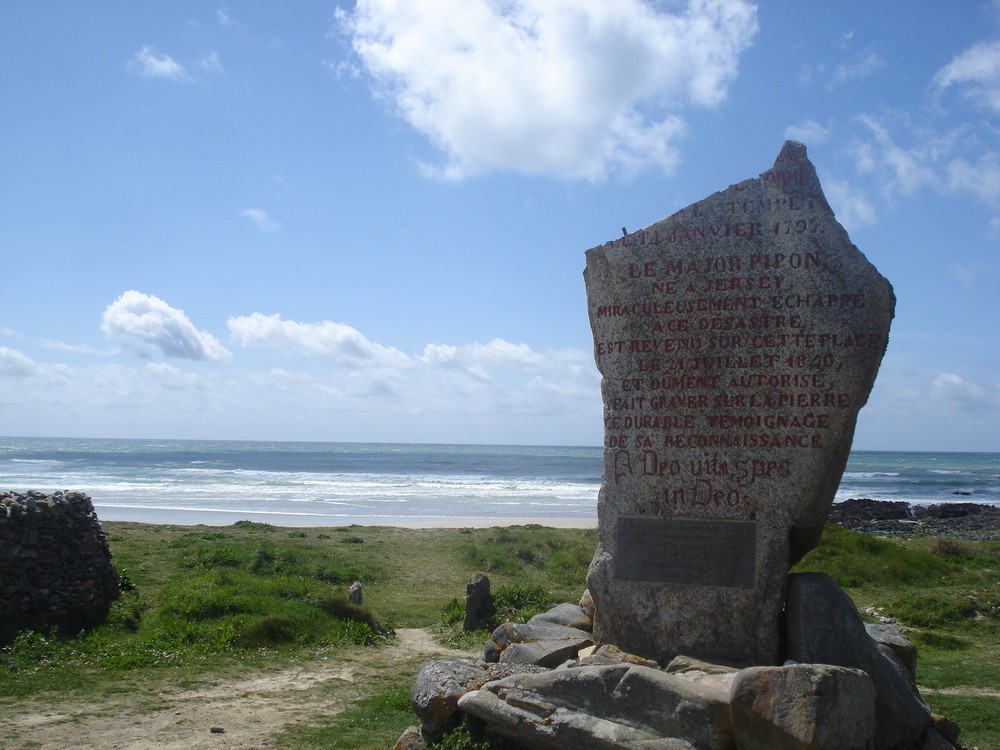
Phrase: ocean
(333, 484)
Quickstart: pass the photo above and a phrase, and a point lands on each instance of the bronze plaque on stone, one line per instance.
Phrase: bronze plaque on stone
(685, 550)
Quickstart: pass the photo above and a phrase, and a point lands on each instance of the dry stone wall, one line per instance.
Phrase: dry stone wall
(55, 565)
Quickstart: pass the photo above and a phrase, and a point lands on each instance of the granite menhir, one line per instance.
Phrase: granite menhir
(737, 340)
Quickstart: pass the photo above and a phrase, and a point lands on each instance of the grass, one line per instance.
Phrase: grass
(207, 602)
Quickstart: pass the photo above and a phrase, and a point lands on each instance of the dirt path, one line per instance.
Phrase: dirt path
(250, 708)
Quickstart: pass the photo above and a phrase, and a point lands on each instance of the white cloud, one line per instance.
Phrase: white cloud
(259, 217)
(807, 132)
(15, 364)
(152, 322)
(149, 64)
(901, 170)
(345, 345)
(222, 15)
(574, 88)
(918, 412)
(9, 332)
(951, 162)
(856, 70)
(968, 396)
(976, 72)
(61, 346)
(982, 179)
(852, 208)
(970, 274)
(211, 63)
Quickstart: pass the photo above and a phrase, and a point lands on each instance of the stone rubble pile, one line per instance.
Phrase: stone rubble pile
(55, 565)
(545, 684)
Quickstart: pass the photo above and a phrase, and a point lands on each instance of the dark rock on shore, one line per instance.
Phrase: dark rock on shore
(969, 520)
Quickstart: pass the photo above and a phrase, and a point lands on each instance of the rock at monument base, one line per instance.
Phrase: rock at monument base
(803, 707)
(619, 706)
(435, 694)
(702, 672)
(932, 740)
(610, 654)
(440, 684)
(737, 340)
(544, 643)
(410, 739)
(570, 615)
(890, 636)
(823, 627)
(946, 728)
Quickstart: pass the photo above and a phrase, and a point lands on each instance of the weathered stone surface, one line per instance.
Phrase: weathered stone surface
(570, 615)
(946, 728)
(611, 654)
(933, 740)
(620, 706)
(737, 340)
(822, 626)
(803, 707)
(587, 605)
(410, 739)
(435, 694)
(478, 602)
(558, 640)
(440, 684)
(716, 676)
(890, 636)
(55, 564)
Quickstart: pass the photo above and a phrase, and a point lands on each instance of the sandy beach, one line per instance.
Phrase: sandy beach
(193, 517)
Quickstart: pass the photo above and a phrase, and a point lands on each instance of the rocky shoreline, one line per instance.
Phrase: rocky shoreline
(967, 520)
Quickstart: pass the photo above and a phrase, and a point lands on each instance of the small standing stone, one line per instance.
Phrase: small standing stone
(354, 595)
(478, 602)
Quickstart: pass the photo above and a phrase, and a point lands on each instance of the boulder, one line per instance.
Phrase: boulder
(598, 707)
(440, 684)
(570, 615)
(890, 636)
(435, 694)
(933, 740)
(543, 643)
(803, 707)
(610, 654)
(410, 739)
(823, 627)
(702, 672)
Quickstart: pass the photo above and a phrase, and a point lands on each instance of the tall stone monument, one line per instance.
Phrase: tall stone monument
(737, 340)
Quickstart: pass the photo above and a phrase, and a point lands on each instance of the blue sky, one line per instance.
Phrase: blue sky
(311, 221)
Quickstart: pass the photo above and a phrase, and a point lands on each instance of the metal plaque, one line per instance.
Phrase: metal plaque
(686, 550)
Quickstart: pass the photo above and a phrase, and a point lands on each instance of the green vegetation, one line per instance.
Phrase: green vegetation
(203, 604)
(200, 597)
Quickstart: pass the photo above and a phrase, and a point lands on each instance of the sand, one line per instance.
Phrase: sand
(187, 517)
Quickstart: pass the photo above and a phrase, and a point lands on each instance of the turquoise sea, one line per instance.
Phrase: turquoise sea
(218, 482)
